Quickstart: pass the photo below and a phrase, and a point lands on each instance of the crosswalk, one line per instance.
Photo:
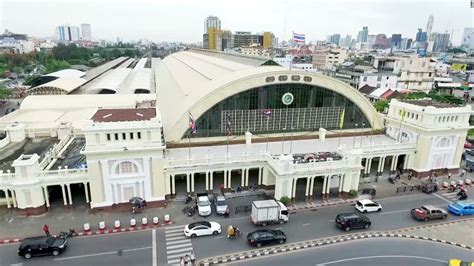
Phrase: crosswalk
(177, 245)
(452, 196)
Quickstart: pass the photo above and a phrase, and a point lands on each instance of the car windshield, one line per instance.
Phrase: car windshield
(193, 225)
(457, 206)
(424, 209)
(50, 241)
(221, 203)
(204, 202)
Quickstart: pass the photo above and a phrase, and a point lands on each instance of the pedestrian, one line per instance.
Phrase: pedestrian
(463, 173)
(449, 176)
(46, 230)
(226, 213)
(410, 175)
(192, 258)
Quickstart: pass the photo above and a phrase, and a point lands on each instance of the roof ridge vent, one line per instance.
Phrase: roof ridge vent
(108, 115)
(140, 114)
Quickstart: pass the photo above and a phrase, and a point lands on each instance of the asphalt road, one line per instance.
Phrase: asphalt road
(168, 244)
(380, 251)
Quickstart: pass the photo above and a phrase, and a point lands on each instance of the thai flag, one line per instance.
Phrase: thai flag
(192, 124)
(298, 38)
(228, 126)
(267, 112)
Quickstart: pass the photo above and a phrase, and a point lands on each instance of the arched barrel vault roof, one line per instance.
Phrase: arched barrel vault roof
(192, 85)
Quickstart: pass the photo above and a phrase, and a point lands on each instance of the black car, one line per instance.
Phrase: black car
(41, 246)
(262, 237)
(470, 152)
(429, 187)
(348, 221)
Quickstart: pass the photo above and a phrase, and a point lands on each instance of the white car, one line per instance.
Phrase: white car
(203, 205)
(202, 228)
(366, 205)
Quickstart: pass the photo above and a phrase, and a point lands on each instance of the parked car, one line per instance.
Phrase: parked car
(263, 237)
(202, 228)
(221, 205)
(42, 246)
(461, 208)
(468, 145)
(470, 152)
(203, 204)
(428, 212)
(366, 205)
(429, 187)
(349, 221)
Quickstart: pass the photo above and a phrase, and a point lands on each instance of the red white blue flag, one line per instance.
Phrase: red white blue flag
(228, 126)
(299, 38)
(192, 124)
(267, 112)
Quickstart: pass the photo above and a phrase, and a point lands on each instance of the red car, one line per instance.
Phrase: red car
(468, 145)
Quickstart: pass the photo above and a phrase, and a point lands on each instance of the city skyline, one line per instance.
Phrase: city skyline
(155, 20)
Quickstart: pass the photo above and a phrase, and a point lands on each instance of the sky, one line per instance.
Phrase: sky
(183, 20)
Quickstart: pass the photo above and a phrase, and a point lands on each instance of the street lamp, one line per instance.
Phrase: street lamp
(362, 128)
(353, 139)
(283, 141)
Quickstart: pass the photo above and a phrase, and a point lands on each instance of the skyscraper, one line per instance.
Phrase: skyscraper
(421, 36)
(363, 35)
(396, 41)
(468, 38)
(335, 38)
(212, 37)
(68, 33)
(212, 22)
(440, 41)
(86, 31)
(429, 25)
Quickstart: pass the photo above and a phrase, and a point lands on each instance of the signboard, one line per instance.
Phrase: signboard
(459, 67)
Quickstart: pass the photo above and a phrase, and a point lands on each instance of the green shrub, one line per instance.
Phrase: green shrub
(285, 200)
(353, 193)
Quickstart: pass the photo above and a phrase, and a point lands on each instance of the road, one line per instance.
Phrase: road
(167, 244)
(366, 252)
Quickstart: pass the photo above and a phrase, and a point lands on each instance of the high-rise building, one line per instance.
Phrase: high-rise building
(86, 31)
(396, 41)
(212, 22)
(335, 38)
(214, 39)
(363, 35)
(440, 41)
(268, 39)
(380, 41)
(468, 38)
(227, 39)
(347, 41)
(68, 33)
(429, 25)
(421, 36)
(246, 39)
(405, 44)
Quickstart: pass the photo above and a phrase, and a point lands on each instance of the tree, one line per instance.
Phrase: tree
(380, 105)
(456, 51)
(5, 93)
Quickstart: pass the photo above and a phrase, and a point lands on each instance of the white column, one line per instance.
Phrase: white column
(242, 180)
(311, 186)
(15, 203)
(366, 165)
(260, 170)
(370, 165)
(212, 181)
(188, 182)
(192, 182)
(46, 195)
(64, 194)
(395, 163)
(328, 184)
(383, 164)
(69, 193)
(324, 185)
(341, 176)
(173, 184)
(392, 163)
(7, 198)
(207, 180)
(247, 177)
(229, 182)
(308, 183)
(379, 168)
(86, 190)
(293, 192)
(225, 178)
(405, 163)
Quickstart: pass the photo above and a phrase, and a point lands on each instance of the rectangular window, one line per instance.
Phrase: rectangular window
(108, 136)
(116, 136)
(131, 135)
(139, 135)
(379, 78)
(124, 136)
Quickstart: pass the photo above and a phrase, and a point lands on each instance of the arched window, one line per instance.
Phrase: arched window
(126, 168)
(443, 143)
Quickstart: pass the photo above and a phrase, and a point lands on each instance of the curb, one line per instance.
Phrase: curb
(98, 232)
(328, 241)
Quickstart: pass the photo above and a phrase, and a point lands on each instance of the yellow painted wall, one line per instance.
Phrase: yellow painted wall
(267, 39)
(214, 35)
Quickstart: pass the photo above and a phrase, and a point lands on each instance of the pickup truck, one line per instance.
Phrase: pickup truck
(203, 204)
(428, 212)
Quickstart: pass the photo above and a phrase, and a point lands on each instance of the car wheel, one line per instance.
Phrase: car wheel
(365, 211)
(366, 226)
(461, 214)
(347, 228)
(379, 210)
(426, 219)
(444, 217)
(281, 241)
(193, 235)
(55, 252)
(215, 233)
(259, 245)
(27, 256)
(264, 224)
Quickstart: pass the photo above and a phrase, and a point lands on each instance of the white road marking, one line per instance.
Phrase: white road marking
(179, 246)
(100, 254)
(10, 221)
(278, 228)
(382, 256)
(220, 237)
(176, 238)
(448, 201)
(176, 261)
(175, 230)
(171, 257)
(153, 251)
(175, 234)
(178, 241)
(306, 224)
(179, 250)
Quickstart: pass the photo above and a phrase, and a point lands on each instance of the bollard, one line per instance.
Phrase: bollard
(468, 181)
(117, 224)
(87, 227)
(460, 182)
(445, 184)
(167, 219)
(144, 221)
(133, 222)
(155, 220)
(453, 183)
(101, 225)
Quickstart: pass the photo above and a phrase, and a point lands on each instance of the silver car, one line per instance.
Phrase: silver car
(221, 205)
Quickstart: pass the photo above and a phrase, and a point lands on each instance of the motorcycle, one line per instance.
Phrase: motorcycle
(188, 199)
(391, 180)
(69, 234)
(189, 211)
(237, 233)
(462, 195)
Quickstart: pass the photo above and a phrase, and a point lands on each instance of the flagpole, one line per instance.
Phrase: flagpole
(268, 133)
(227, 145)
(189, 146)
